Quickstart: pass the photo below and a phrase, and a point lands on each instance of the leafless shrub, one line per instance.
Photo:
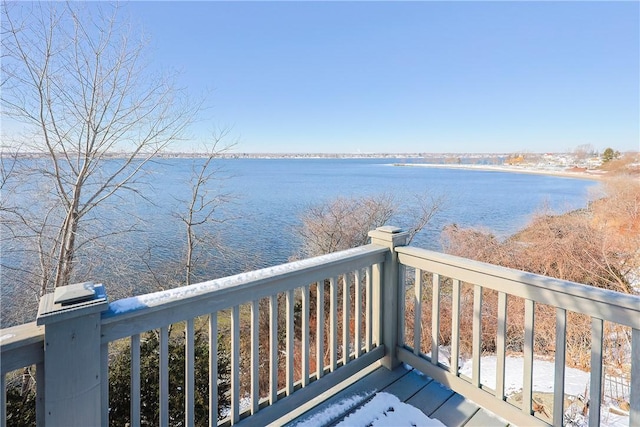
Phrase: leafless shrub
(597, 246)
(345, 222)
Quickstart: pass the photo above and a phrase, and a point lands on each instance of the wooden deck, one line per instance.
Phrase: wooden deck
(412, 387)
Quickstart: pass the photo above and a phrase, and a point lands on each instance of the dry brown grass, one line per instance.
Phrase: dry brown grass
(578, 327)
(597, 246)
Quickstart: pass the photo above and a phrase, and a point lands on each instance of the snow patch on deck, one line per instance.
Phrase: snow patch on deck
(386, 409)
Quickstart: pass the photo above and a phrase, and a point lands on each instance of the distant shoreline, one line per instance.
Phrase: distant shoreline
(586, 174)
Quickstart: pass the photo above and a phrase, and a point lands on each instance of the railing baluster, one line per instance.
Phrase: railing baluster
(40, 390)
(417, 312)
(558, 382)
(289, 341)
(346, 322)
(527, 380)
(273, 349)
(477, 335)
(189, 374)
(357, 309)
(595, 387)
(376, 300)
(455, 326)
(255, 357)
(634, 388)
(435, 320)
(320, 330)
(3, 400)
(235, 365)
(368, 309)
(333, 323)
(305, 336)
(135, 380)
(402, 303)
(164, 376)
(104, 385)
(501, 344)
(213, 369)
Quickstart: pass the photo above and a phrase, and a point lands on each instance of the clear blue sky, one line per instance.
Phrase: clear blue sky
(408, 76)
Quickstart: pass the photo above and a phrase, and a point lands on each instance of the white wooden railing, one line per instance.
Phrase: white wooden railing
(367, 310)
(352, 270)
(341, 328)
(447, 275)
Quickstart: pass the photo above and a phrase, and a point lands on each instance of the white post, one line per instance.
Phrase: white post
(389, 292)
(72, 379)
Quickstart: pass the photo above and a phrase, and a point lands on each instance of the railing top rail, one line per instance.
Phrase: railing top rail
(20, 335)
(21, 346)
(161, 308)
(537, 284)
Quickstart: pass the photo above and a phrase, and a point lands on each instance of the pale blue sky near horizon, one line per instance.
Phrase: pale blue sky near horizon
(409, 76)
(422, 76)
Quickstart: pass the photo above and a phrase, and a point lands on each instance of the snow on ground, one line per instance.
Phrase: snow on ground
(387, 410)
(575, 383)
(543, 374)
(244, 404)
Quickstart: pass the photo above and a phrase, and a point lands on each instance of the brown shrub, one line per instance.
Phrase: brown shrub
(596, 246)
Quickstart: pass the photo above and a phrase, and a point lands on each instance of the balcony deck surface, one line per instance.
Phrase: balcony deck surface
(432, 398)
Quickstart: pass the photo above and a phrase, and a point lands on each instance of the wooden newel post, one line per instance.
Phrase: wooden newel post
(385, 307)
(72, 377)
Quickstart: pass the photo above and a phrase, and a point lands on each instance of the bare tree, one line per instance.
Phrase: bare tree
(74, 78)
(582, 152)
(203, 205)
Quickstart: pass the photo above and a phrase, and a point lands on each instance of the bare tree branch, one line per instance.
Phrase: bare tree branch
(203, 205)
(75, 76)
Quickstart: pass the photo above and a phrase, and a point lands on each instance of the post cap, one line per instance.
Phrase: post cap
(71, 301)
(388, 235)
(389, 229)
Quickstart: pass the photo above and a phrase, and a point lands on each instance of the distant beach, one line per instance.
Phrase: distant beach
(567, 173)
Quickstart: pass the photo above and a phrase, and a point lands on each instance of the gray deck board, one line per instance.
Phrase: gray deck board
(408, 385)
(456, 411)
(431, 397)
(484, 418)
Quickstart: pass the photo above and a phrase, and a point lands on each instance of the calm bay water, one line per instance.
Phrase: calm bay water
(268, 197)
(270, 194)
